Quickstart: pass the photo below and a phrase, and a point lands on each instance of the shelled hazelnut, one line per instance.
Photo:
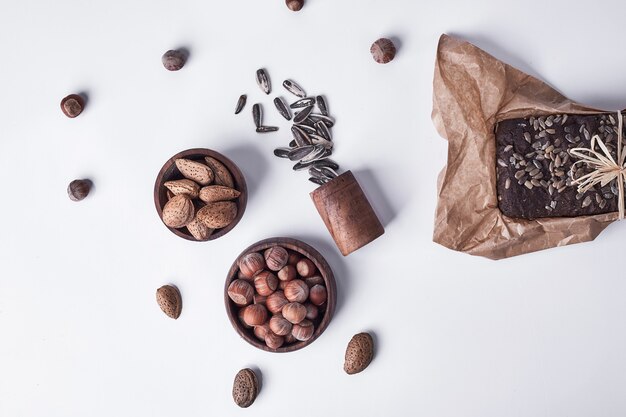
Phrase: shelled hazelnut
(288, 298)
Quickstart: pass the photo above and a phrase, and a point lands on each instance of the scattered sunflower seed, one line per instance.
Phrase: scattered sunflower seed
(282, 152)
(318, 140)
(266, 129)
(282, 108)
(321, 103)
(320, 117)
(306, 128)
(302, 115)
(300, 136)
(263, 80)
(317, 181)
(294, 88)
(241, 103)
(323, 130)
(257, 114)
(300, 152)
(305, 102)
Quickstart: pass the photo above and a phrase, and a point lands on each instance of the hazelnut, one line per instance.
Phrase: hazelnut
(241, 292)
(173, 60)
(265, 283)
(294, 312)
(317, 294)
(276, 257)
(303, 331)
(293, 259)
(276, 301)
(314, 280)
(280, 326)
(259, 299)
(273, 341)
(311, 311)
(294, 5)
(78, 189)
(383, 51)
(297, 291)
(306, 268)
(240, 275)
(261, 331)
(240, 315)
(290, 339)
(72, 105)
(287, 273)
(251, 263)
(255, 314)
(282, 284)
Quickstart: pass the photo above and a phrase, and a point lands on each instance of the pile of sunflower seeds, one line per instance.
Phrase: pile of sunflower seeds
(312, 143)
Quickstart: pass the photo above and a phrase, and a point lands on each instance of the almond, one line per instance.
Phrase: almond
(245, 388)
(185, 186)
(359, 353)
(196, 171)
(218, 215)
(178, 211)
(169, 299)
(199, 230)
(214, 193)
(222, 174)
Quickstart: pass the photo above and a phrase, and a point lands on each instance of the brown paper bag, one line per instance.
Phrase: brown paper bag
(472, 92)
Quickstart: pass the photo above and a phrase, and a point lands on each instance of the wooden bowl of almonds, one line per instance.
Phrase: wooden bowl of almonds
(200, 194)
(280, 294)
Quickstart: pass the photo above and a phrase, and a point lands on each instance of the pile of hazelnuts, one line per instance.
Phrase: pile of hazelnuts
(280, 294)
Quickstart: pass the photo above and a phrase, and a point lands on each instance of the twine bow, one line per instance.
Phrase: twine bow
(604, 167)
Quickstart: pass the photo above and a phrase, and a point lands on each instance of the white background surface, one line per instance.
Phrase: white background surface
(81, 333)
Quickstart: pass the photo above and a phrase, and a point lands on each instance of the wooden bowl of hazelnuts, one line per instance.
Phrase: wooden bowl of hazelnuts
(280, 294)
(200, 194)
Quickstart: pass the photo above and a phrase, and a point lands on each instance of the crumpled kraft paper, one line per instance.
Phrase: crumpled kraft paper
(473, 91)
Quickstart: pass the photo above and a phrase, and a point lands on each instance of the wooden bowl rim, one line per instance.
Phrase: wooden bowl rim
(195, 154)
(322, 266)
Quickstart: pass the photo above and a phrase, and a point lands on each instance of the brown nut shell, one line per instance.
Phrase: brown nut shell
(77, 190)
(199, 230)
(221, 173)
(303, 331)
(297, 291)
(294, 312)
(359, 353)
(178, 211)
(245, 388)
(214, 193)
(294, 5)
(383, 51)
(265, 283)
(72, 105)
(261, 331)
(195, 171)
(276, 301)
(274, 341)
(251, 264)
(183, 186)
(241, 292)
(276, 257)
(218, 215)
(314, 280)
(317, 294)
(255, 314)
(312, 312)
(280, 325)
(306, 268)
(169, 300)
(287, 273)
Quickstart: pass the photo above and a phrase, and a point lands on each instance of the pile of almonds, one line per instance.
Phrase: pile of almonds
(280, 295)
(202, 201)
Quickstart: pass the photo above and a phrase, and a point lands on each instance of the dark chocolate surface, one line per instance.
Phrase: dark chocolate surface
(533, 165)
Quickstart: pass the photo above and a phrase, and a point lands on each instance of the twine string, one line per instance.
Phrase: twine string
(604, 168)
